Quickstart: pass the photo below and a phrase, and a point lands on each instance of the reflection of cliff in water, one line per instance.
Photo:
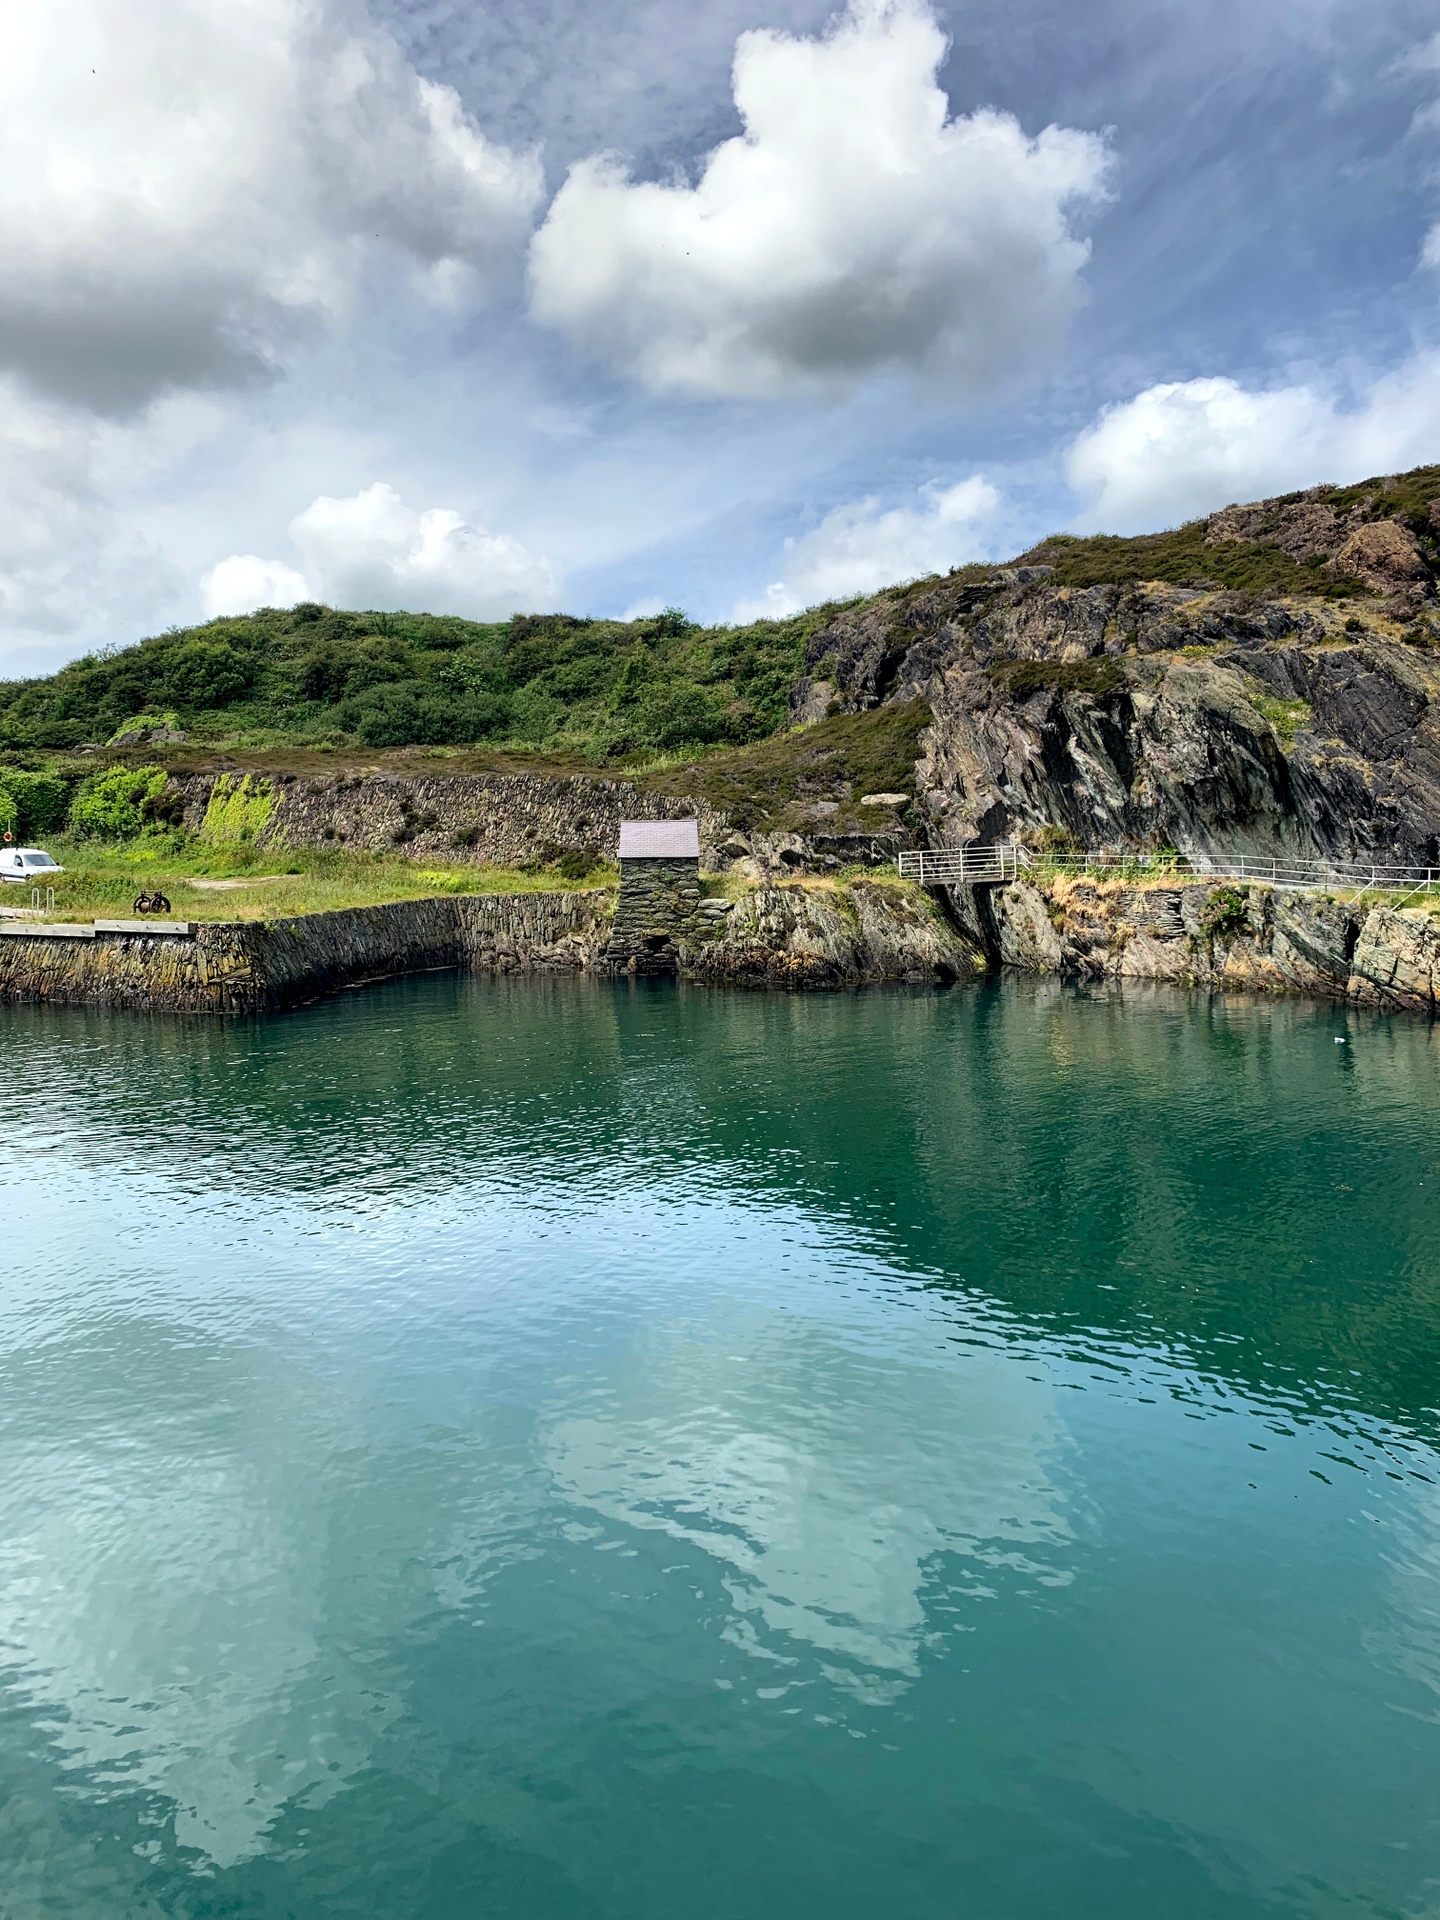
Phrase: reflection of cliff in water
(1158, 1171)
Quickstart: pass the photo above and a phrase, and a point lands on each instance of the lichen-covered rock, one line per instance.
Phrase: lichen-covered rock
(794, 936)
(1026, 935)
(1306, 529)
(903, 937)
(1397, 961)
(1220, 934)
(1382, 553)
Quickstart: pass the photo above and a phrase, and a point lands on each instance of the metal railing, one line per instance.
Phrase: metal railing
(964, 866)
(1004, 860)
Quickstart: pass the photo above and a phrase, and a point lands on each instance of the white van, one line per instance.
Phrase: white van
(27, 863)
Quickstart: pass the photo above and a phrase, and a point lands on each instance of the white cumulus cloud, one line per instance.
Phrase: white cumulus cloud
(1184, 448)
(859, 548)
(371, 550)
(75, 570)
(245, 581)
(185, 183)
(852, 228)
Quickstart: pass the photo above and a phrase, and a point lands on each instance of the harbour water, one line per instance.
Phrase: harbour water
(528, 1449)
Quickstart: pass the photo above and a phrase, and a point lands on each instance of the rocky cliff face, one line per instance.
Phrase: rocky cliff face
(1201, 935)
(794, 936)
(1301, 717)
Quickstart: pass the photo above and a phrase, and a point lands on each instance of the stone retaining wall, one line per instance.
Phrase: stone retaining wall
(496, 820)
(493, 820)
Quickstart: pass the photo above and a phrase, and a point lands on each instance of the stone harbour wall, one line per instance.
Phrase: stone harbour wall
(266, 966)
(789, 935)
(780, 936)
(213, 972)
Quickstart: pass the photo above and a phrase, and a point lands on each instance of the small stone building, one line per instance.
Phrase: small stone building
(659, 895)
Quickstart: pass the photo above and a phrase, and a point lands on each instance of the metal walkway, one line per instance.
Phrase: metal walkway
(1005, 860)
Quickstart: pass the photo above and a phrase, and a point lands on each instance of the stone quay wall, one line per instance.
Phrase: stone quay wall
(778, 936)
(267, 966)
(775, 936)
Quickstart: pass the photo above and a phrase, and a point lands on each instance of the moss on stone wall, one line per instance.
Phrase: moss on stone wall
(238, 811)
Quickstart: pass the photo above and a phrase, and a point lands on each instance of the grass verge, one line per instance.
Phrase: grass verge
(241, 883)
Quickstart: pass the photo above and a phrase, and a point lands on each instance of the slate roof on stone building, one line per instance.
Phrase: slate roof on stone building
(659, 840)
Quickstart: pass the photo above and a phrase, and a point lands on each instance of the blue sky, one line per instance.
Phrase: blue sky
(607, 306)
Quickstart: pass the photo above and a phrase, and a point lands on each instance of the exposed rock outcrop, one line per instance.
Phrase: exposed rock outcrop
(1384, 554)
(1397, 962)
(1220, 935)
(1149, 716)
(802, 937)
(1301, 714)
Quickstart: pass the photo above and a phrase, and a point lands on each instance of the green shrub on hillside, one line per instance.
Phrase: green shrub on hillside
(119, 803)
(398, 680)
(201, 674)
(32, 804)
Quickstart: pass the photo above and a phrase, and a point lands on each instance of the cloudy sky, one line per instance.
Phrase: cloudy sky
(485, 305)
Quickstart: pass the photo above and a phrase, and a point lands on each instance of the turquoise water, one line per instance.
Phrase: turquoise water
(551, 1449)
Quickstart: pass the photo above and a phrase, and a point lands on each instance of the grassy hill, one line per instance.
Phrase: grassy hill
(317, 676)
(613, 691)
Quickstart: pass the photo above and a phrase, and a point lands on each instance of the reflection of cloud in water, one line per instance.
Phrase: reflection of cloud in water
(825, 1478)
(1406, 1637)
(163, 1615)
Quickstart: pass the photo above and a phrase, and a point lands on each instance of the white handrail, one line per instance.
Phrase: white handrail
(1004, 860)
